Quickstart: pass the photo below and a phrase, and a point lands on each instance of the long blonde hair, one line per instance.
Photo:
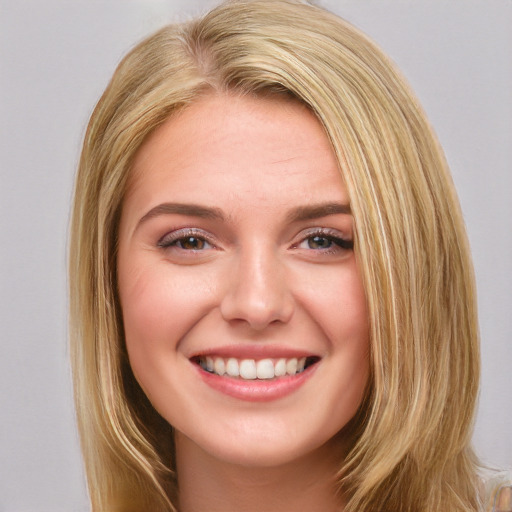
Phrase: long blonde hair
(411, 448)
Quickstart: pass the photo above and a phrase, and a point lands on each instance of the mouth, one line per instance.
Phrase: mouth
(255, 373)
(267, 369)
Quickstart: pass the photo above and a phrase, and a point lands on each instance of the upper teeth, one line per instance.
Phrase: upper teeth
(251, 369)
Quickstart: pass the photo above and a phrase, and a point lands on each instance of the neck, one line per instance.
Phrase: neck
(207, 483)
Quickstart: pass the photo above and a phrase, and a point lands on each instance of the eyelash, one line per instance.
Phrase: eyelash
(327, 235)
(177, 238)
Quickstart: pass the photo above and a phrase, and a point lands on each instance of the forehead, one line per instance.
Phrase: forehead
(233, 146)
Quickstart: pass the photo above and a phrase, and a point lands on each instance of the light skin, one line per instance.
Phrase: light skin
(236, 242)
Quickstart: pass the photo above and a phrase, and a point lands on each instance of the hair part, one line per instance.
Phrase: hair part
(411, 445)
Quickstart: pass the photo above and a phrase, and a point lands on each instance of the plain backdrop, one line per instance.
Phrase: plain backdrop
(56, 58)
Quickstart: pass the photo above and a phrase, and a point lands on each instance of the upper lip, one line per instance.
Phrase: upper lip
(253, 351)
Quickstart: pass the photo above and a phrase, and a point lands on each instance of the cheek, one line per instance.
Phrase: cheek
(159, 308)
(339, 306)
(147, 320)
(156, 301)
(337, 301)
(352, 324)
(145, 304)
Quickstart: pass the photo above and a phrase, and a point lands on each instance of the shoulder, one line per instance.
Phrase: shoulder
(497, 490)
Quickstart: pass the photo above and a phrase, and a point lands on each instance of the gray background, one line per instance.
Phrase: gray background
(55, 59)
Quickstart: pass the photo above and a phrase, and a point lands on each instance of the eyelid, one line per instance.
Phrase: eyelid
(327, 232)
(341, 241)
(173, 236)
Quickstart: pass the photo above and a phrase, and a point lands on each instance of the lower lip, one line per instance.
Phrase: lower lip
(257, 390)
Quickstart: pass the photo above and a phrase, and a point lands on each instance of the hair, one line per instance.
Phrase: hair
(411, 451)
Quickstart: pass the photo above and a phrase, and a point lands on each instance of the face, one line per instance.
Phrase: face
(244, 312)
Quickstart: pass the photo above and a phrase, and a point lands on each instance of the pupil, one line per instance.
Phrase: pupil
(192, 243)
(319, 242)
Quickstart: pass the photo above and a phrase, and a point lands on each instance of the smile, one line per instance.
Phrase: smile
(252, 369)
(253, 379)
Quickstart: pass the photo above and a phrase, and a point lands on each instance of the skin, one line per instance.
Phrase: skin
(251, 277)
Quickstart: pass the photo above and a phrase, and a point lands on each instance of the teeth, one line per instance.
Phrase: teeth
(280, 368)
(219, 367)
(291, 366)
(250, 369)
(232, 368)
(265, 369)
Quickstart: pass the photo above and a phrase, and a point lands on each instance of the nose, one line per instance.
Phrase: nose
(257, 293)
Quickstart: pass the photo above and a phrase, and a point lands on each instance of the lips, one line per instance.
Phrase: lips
(255, 373)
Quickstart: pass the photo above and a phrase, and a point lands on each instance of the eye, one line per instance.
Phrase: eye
(185, 240)
(319, 242)
(325, 242)
(192, 243)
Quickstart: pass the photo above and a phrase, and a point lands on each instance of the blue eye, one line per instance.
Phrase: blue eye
(319, 242)
(325, 242)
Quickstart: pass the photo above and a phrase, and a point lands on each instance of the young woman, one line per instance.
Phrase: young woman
(273, 304)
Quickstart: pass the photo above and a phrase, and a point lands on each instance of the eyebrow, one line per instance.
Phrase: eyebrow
(204, 212)
(318, 210)
(191, 210)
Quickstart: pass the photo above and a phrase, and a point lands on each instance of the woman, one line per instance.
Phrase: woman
(273, 304)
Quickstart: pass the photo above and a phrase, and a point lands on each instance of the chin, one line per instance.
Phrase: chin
(258, 446)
